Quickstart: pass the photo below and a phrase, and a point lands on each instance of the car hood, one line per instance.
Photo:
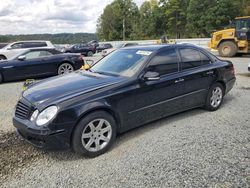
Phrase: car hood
(61, 88)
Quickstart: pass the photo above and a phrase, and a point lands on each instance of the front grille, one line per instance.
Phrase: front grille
(23, 110)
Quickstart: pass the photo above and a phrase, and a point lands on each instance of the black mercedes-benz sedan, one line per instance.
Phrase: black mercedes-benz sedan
(39, 62)
(85, 110)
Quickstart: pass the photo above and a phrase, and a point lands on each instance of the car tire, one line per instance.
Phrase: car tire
(215, 97)
(94, 134)
(2, 57)
(90, 54)
(228, 49)
(65, 68)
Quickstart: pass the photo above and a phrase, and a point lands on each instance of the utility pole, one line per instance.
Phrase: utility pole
(123, 32)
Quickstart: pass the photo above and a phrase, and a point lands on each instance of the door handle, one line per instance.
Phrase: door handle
(179, 80)
(209, 72)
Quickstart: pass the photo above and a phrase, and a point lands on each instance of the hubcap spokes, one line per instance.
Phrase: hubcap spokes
(96, 135)
(216, 97)
(66, 69)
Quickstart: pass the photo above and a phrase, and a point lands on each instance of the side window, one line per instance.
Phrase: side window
(165, 62)
(32, 55)
(190, 58)
(204, 59)
(37, 54)
(17, 45)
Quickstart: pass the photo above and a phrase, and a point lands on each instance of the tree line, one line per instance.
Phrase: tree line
(123, 19)
(61, 38)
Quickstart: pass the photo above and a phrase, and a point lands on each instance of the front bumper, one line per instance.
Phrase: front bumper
(42, 137)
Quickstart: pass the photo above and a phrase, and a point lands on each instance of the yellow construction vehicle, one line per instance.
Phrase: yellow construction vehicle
(234, 40)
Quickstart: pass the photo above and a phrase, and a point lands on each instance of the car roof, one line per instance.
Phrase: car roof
(156, 47)
(31, 41)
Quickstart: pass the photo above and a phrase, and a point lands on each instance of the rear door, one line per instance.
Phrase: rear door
(198, 74)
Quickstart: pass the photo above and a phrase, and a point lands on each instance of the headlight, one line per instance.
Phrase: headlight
(34, 115)
(46, 115)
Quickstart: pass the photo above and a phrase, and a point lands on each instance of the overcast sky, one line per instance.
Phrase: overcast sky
(50, 16)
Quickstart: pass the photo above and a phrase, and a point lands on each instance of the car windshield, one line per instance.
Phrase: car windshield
(124, 62)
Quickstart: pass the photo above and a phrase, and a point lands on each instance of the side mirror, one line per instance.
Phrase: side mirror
(9, 48)
(151, 76)
(21, 58)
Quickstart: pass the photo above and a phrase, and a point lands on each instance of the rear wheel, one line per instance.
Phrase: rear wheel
(228, 49)
(94, 134)
(90, 53)
(65, 68)
(2, 57)
(215, 97)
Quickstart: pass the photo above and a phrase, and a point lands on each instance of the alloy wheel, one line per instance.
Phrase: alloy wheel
(216, 97)
(96, 135)
(65, 68)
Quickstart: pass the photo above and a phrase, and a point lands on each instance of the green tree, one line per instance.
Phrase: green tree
(205, 16)
(176, 15)
(119, 15)
(152, 20)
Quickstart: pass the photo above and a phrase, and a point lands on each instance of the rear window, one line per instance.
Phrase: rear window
(192, 58)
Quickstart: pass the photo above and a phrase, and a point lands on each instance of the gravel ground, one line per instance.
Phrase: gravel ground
(191, 149)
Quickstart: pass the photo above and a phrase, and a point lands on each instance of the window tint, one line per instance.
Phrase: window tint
(17, 45)
(34, 44)
(204, 59)
(192, 58)
(165, 62)
(37, 54)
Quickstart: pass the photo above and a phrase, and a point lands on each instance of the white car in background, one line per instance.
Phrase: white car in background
(14, 48)
(118, 46)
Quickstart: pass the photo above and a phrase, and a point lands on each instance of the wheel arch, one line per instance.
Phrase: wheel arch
(226, 40)
(3, 56)
(223, 83)
(66, 61)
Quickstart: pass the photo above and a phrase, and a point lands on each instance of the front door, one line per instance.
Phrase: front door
(154, 99)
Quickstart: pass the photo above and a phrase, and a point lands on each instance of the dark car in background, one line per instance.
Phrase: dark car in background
(35, 63)
(94, 43)
(84, 49)
(104, 46)
(85, 110)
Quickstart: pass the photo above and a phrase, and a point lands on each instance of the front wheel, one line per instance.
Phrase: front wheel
(215, 97)
(94, 134)
(65, 68)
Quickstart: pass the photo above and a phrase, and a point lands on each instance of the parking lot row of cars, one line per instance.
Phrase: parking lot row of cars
(7, 51)
(35, 59)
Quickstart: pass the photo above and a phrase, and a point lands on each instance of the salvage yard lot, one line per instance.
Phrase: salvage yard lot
(194, 149)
